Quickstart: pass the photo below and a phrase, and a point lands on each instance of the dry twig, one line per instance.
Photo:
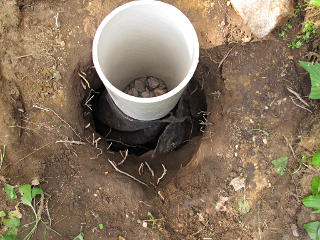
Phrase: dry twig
(57, 115)
(71, 142)
(163, 174)
(124, 157)
(84, 79)
(124, 173)
(150, 169)
(140, 170)
(300, 106)
(224, 58)
(298, 96)
(289, 145)
(161, 196)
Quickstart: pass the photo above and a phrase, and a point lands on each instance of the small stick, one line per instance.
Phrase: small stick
(57, 20)
(224, 58)
(57, 115)
(109, 146)
(40, 209)
(123, 157)
(163, 174)
(84, 79)
(124, 173)
(47, 209)
(88, 125)
(298, 96)
(23, 56)
(71, 142)
(300, 106)
(140, 170)
(293, 153)
(161, 196)
(150, 169)
(33, 152)
(96, 141)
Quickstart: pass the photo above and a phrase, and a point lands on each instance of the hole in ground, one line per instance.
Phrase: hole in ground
(174, 138)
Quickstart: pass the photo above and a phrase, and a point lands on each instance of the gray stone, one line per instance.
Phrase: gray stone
(153, 82)
(145, 94)
(263, 16)
(140, 85)
(135, 92)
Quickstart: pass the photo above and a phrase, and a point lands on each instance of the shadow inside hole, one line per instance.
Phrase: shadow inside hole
(139, 137)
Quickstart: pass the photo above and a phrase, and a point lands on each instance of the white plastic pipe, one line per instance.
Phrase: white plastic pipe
(145, 38)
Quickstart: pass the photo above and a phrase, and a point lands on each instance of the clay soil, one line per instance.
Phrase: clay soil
(245, 81)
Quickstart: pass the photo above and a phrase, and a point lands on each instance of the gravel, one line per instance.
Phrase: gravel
(146, 87)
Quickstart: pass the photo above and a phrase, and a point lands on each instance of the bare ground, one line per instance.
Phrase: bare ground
(249, 89)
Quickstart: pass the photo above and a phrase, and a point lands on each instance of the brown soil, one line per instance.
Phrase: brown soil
(42, 102)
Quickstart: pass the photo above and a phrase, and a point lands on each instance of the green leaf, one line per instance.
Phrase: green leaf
(10, 191)
(25, 191)
(312, 229)
(303, 158)
(154, 221)
(9, 237)
(101, 226)
(312, 201)
(243, 206)
(317, 211)
(36, 191)
(314, 71)
(13, 231)
(316, 159)
(315, 3)
(298, 44)
(315, 185)
(80, 236)
(12, 221)
(2, 214)
(280, 164)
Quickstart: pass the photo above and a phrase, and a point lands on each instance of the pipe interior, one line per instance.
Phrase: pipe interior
(146, 40)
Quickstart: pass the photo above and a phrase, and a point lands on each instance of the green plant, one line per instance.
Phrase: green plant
(315, 3)
(243, 206)
(258, 129)
(280, 164)
(2, 155)
(27, 194)
(313, 201)
(298, 9)
(101, 226)
(314, 71)
(154, 221)
(80, 236)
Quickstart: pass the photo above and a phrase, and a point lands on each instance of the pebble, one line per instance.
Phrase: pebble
(146, 87)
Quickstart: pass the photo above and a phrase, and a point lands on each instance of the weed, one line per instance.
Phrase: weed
(314, 70)
(101, 226)
(298, 9)
(280, 164)
(282, 34)
(2, 155)
(313, 201)
(258, 129)
(154, 221)
(79, 237)
(243, 206)
(27, 194)
(315, 3)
